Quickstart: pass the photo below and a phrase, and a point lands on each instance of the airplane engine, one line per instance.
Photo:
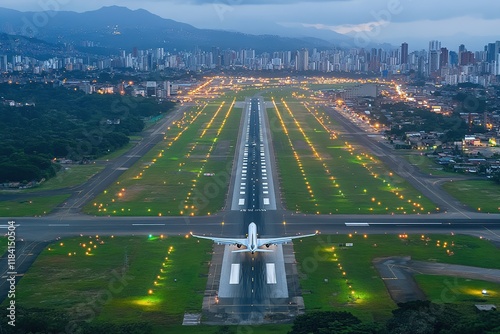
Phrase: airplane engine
(238, 245)
(267, 245)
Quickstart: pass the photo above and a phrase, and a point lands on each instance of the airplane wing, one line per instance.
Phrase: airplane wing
(282, 240)
(224, 241)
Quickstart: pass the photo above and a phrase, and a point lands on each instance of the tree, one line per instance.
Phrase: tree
(331, 322)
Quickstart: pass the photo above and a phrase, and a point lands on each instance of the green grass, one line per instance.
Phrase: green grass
(480, 195)
(240, 329)
(332, 86)
(74, 175)
(446, 289)
(121, 151)
(3, 245)
(170, 180)
(336, 176)
(28, 207)
(426, 165)
(71, 176)
(115, 279)
(318, 261)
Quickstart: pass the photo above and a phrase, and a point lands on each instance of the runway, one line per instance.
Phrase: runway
(252, 287)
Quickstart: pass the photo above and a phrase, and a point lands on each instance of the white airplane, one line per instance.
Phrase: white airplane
(252, 243)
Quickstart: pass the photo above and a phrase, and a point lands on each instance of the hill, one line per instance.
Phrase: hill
(118, 27)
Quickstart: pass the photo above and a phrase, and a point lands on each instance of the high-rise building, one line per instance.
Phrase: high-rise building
(490, 52)
(497, 64)
(3, 63)
(404, 53)
(466, 58)
(433, 58)
(216, 56)
(453, 58)
(444, 61)
(434, 45)
(302, 60)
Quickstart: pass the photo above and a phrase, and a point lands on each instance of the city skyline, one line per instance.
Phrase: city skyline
(393, 21)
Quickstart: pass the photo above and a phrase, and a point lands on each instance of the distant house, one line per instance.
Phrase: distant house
(471, 141)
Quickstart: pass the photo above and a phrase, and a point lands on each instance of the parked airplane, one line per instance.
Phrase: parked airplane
(252, 242)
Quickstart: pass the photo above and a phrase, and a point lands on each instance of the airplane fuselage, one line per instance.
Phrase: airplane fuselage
(252, 237)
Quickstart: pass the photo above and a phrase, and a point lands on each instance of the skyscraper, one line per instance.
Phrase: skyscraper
(302, 62)
(497, 64)
(3, 63)
(466, 58)
(404, 53)
(453, 58)
(216, 56)
(443, 62)
(490, 52)
(433, 59)
(434, 45)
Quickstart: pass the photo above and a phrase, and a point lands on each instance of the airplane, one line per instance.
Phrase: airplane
(252, 242)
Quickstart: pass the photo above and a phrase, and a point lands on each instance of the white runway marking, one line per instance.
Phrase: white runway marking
(235, 274)
(271, 273)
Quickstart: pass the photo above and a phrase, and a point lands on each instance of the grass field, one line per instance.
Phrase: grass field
(336, 175)
(3, 245)
(121, 151)
(157, 280)
(240, 329)
(354, 284)
(480, 195)
(121, 279)
(426, 165)
(71, 176)
(327, 86)
(172, 178)
(74, 175)
(446, 289)
(28, 207)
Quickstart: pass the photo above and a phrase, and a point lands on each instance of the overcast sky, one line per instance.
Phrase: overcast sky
(473, 23)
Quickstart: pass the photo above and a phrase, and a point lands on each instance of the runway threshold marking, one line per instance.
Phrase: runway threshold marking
(271, 273)
(235, 274)
(54, 225)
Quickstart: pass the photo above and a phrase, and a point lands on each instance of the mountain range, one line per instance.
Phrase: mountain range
(118, 27)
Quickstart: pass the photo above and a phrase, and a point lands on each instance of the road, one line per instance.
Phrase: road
(397, 273)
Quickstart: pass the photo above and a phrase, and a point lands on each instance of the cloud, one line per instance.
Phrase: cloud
(347, 29)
